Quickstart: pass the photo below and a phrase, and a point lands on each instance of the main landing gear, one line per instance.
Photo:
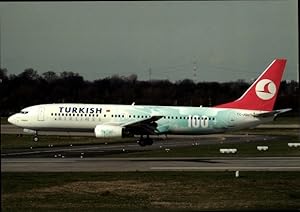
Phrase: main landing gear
(145, 141)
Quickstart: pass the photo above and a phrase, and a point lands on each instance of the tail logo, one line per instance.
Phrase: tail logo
(265, 89)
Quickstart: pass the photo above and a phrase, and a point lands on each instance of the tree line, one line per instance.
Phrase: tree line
(29, 88)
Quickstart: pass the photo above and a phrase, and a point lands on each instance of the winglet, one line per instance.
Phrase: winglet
(261, 95)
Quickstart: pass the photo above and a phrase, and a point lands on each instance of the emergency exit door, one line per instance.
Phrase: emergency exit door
(41, 113)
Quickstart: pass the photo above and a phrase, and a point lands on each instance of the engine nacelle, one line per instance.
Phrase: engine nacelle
(29, 131)
(108, 131)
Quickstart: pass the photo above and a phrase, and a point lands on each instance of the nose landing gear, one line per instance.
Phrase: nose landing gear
(35, 137)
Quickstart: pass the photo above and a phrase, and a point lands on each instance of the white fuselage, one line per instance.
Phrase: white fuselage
(174, 120)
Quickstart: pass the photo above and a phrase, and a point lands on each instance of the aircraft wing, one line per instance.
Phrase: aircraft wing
(272, 113)
(145, 126)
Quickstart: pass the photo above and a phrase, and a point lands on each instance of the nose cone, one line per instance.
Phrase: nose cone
(12, 119)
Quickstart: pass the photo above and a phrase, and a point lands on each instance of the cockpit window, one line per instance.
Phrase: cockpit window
(24, 112)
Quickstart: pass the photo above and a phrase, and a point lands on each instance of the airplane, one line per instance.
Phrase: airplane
(253, 108)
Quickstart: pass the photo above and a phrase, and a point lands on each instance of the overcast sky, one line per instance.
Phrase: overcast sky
(199, 40)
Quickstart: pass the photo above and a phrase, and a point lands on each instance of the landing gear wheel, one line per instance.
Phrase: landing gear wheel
(142, 142)
(35, 139)
(145, 141)
(149, 141)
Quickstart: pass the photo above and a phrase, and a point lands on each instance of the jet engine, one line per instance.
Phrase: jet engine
(108, 131)
(29, 131)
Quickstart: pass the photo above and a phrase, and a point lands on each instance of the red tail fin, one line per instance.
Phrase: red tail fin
(261, 95)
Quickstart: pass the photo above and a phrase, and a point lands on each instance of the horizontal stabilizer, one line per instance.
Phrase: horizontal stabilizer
(272, 113)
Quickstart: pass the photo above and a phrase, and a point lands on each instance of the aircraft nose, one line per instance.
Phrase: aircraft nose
(12, 119)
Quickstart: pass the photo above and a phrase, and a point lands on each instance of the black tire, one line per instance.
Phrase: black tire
(149, 142)
(142, 142)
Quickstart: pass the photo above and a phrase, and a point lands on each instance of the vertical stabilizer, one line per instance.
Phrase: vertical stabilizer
(261, 95)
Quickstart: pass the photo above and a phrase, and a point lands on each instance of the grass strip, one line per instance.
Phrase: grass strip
(152, 191)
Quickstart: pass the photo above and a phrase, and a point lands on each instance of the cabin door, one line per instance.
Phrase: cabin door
(41, 113)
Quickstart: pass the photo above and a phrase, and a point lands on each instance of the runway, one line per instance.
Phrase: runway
(150, 164)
